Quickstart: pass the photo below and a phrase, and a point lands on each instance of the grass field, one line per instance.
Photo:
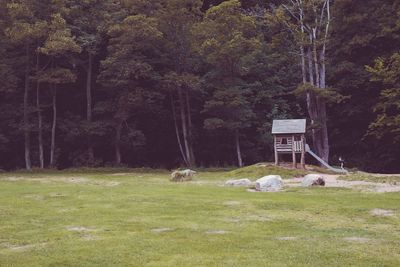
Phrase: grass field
(139, 218)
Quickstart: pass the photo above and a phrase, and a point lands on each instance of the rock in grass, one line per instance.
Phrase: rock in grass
(313, 180)
(269, 183)
(239, 182)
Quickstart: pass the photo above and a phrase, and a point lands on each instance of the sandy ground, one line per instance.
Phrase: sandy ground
(334, 181)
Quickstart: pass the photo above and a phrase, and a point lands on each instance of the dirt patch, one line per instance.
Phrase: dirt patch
(334, 181)
(67, 210)
(232, 203)
(217, 232)
(382, 213)
(12, 178)
(258, 218)
(357, 239)
(21, 248)
(35, 197)
(251, 218)
(232, 220)
(88, 237)
(287, 238)
(79, 229)
(56, 195)
(162, 230)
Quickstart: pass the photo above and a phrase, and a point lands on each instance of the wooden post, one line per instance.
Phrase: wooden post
(294, 153)
(303, 152)
(276, 152)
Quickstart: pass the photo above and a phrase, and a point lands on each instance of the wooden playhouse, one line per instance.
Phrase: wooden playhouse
(289, 138)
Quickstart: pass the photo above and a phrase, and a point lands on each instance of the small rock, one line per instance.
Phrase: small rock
(269, 183)
(313, 180)
(238, 182)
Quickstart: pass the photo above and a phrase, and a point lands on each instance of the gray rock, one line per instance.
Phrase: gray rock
(313, 180)
(269, 183)
(239, 182)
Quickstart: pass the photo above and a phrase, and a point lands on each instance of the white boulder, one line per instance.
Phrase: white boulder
(269, 183)
(238, 182)
(313, 180)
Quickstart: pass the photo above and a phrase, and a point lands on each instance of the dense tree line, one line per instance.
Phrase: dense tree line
(196, 83)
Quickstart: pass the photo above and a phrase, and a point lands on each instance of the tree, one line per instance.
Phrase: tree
(24, 29)
(58, 43)
(176, 20)
(127, 66)
(88, 22)
(183, 85)
(387, 123)
(309, 22)
(230, 42)
(361, 32)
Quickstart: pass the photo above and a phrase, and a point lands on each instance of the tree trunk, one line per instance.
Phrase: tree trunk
(302, 52)
(89, 105)
(39, 114)
(178, 137)
(316, 61)
(315, 56)
(310, 67)
(118, 130)
(53, 128)
(190, 129)
(237, 146)
(184, 127)
(27, 140)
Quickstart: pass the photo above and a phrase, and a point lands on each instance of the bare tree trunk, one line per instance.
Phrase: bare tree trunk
(118, 130)
(89, 105)
(39, 114)
(178, 137)
(237, 146)
(310, 67)
(27, 140)
(184, 127)
(316, 51)
(53, 128)
(190, 129)
(315, 56)
(302, 52)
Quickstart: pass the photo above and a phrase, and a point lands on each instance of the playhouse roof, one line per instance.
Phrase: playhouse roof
(289, 126)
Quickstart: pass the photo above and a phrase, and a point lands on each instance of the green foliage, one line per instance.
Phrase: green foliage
(131, 41)
(230, 43)
(59, 40)
(387, 123)
(56, 76)
(330, 95)
(24, 27)
(228, 39)
(238, 62)
(229, 109)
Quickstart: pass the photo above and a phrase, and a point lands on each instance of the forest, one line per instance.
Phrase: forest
(197, 83)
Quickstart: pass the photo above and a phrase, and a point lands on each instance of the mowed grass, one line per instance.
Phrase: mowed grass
(140, 218)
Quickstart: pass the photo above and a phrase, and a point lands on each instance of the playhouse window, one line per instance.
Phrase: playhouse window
(284, 141)
(297, 138)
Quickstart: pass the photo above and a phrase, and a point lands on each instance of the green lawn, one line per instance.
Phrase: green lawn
(141, 219)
